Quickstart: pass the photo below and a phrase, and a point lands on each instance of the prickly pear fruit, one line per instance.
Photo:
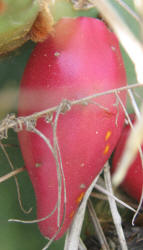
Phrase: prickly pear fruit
(82, 58)
(133, 180)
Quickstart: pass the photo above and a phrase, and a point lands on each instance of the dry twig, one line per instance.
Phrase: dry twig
(73, 234)
(97, 227)
(113, 208)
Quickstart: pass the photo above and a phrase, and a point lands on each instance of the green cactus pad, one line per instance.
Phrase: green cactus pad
(16, 19)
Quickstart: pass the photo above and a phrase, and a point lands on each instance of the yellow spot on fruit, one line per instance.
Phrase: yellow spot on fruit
(79, 199)
(106, 149)
(108, 134)
(71, 214)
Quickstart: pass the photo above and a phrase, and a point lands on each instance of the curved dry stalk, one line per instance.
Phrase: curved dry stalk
(60, 172)
(10, 121)
(138, 114)
(45, 139)
(134, 104)
(34, 221)
(132, 146)
(97, 227)
(57, 156)
(107, 193)
(129, 10)
(73, 234)
(31, 128)
(115, 214)
(11, 174)
(16, 181)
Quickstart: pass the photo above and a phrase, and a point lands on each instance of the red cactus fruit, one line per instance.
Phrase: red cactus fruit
(81, 58)
(133, 180)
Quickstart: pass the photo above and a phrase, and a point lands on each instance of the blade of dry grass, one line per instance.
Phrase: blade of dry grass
(131, 148)
(128, 9)
(11, 174)
(73, 234)
(97, 227)
(114, 211)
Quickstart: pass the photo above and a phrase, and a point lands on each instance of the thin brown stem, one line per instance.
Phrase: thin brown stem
(11, 174)
(11, 121)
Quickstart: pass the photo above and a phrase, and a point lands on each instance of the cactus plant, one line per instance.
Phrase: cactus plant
(21, 21)
(16, 19)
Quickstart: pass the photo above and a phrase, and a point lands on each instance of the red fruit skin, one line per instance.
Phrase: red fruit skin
(80, 59)
(133, 181)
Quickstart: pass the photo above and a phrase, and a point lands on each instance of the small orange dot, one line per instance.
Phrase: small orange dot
(80, 197)
(106, 149)
(108, 134)
(72, 214)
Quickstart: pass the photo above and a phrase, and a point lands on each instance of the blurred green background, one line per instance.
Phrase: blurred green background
(15, 236)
